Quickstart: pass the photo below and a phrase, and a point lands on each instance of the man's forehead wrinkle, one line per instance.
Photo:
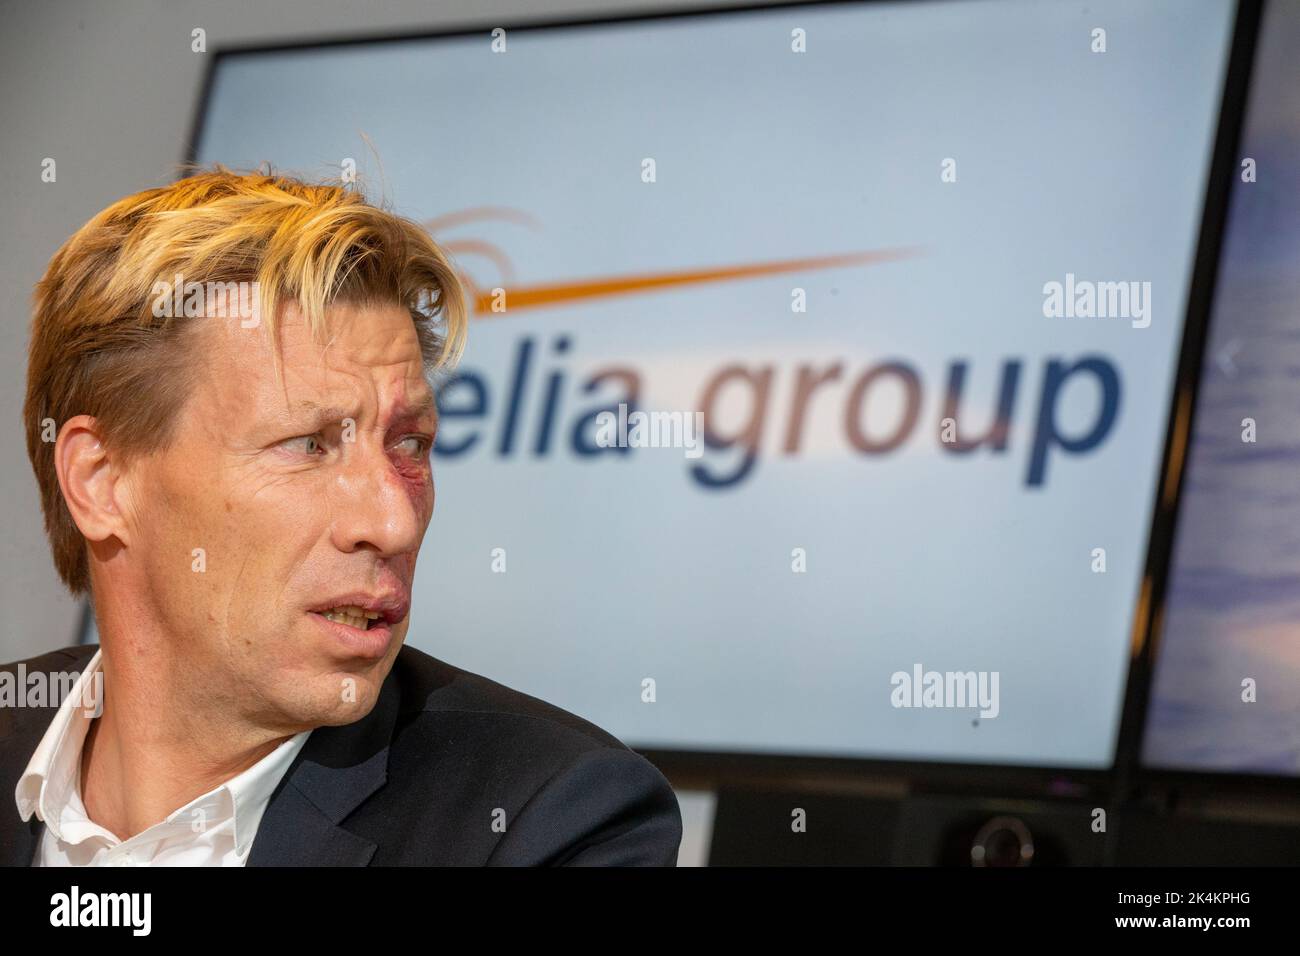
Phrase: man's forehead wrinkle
(406, 399)
(315, 377)
(359, 367)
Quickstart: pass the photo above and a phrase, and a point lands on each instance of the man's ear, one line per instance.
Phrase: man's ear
(91, 479)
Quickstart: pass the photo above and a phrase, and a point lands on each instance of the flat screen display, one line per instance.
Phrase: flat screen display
(821, 357)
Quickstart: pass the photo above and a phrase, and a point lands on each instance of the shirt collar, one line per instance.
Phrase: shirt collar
(55, 768)
(50, 783)
(252, 789)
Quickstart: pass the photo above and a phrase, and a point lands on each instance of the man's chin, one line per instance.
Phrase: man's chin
(328, 685)
(340, 698)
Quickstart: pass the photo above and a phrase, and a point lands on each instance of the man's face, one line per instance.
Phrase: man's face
(304, 495)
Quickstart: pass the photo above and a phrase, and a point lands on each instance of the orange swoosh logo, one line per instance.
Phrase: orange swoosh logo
(540, 296)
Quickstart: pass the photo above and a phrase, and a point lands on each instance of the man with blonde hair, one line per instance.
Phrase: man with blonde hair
(230, 414)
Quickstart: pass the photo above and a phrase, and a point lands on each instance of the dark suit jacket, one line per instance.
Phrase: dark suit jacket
(417, 781)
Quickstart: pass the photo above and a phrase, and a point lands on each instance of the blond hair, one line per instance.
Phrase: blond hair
(97, 347)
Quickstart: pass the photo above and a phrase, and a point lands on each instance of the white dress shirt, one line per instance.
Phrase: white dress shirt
(216, 829)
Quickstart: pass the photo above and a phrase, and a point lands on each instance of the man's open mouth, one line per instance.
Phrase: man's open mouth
(353, 616)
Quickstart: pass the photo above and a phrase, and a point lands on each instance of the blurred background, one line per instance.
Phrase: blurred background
(990, 551)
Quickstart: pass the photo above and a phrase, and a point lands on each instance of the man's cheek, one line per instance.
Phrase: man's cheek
(177, 544)
(416, 477)
(419, 489)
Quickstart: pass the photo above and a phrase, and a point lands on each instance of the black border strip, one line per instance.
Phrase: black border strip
(710, 768)
(1178, 446)
(479, 28)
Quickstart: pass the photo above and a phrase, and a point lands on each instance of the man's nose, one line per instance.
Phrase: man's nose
(375, 506)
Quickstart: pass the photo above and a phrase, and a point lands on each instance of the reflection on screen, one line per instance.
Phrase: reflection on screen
(1226, 691)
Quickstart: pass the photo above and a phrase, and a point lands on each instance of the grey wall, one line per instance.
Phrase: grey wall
(108, 90)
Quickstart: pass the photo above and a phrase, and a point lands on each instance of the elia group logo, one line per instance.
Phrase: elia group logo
(540, 412)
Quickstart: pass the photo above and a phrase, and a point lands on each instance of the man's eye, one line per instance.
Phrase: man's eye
(307, 444)
(416, 445)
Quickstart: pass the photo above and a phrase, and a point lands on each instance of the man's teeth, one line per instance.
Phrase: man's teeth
(351, 615)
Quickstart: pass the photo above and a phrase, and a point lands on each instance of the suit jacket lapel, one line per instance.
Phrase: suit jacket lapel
(335, 772)
(295, 832)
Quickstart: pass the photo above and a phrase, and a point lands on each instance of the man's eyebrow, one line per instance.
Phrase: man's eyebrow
(426, 403)
(319, 415)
